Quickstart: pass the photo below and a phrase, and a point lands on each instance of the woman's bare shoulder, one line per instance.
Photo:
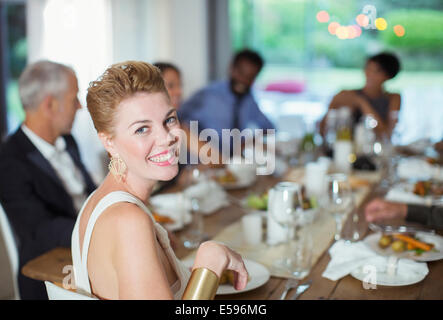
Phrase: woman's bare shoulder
(124, 215)
(394, 100)
(394, 95)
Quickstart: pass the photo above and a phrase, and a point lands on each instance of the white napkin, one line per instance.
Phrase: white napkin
(419, 169)
(347, 257)
(399, 194)
(210, 195)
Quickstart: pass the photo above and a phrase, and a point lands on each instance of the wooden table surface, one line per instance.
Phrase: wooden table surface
(52, 266)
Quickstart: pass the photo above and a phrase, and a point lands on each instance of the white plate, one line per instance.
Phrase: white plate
(372, 242)
(242, 182)
(383, 279)
(258, 274)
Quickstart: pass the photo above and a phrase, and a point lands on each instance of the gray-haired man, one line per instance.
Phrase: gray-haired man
(43, 182)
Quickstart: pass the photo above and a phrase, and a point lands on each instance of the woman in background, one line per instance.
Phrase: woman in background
(373, 99)
(173, 82)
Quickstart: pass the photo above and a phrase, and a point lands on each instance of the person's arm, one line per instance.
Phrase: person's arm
(262, 121)
(140, 273)
(379, 210)
(394, 108)
(343, 98)
(428, 216)
(38, 229)
(137, 261)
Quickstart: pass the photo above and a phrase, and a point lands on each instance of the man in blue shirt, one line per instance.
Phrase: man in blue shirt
(228, 104)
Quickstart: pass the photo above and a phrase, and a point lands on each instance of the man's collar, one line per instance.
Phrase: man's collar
(46, 149)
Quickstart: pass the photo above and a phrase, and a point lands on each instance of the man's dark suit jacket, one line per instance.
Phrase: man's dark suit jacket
(40, 210)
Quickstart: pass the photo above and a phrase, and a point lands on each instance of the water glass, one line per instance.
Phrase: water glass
(338, 199)
(302, 256)
(194, 235)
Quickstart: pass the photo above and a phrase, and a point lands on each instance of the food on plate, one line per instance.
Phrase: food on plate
(258, 201)
(227, 277)
(385, 241)
(431, 160)
(414, 243)
(403, 242)
(161, 218)
(226, 177)
(398, 246)
(428, 188)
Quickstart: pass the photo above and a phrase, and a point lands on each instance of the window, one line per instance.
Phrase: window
(14, 55)
(300, 42)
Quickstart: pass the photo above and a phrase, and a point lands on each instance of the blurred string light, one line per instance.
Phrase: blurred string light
(322, 16)
(342, 32)
(362, 20)
(355, 30)
(332, 27)
(399, 30)
(381, 24)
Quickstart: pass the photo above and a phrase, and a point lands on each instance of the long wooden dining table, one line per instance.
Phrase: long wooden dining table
(52, 265)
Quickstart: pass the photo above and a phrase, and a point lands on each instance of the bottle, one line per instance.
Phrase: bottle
(330, 132)
(344, 124)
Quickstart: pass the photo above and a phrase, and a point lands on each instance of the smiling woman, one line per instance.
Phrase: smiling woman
(118, 250)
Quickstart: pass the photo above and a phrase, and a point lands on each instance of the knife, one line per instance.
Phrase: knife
(301, 288)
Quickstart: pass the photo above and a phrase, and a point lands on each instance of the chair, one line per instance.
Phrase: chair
(58, 293)
(8, 260)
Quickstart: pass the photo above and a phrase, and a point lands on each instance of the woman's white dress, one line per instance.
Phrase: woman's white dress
(80, 261)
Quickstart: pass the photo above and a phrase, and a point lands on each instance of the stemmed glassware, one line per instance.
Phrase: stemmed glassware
(194, 235)
(286, 206)
(338, 199)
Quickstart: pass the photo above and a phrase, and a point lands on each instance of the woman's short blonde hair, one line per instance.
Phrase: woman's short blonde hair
(119, 82)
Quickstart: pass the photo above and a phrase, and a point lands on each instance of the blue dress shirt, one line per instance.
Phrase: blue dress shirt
(217, 107)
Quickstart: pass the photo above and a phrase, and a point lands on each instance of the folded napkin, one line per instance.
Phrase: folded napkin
(210, 195)
(419, 169)
(347, 257)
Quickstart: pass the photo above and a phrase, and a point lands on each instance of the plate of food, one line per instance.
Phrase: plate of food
(258, 276)
(169, 223)
(259, 201)
(229, 180)
(419, 246)
(431, 190)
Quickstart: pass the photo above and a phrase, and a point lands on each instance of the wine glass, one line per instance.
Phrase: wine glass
(194, 234)
(285, 207)
(338, 199)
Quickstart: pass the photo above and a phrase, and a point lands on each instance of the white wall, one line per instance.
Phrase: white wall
(75, 33)
(167, 30)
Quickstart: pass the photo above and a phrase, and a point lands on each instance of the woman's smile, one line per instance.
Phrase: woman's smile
(165, 158)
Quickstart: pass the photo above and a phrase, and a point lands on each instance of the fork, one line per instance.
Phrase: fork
(290, 284)
(301, 288)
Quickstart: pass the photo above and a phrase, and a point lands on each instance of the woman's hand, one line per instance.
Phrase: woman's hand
(218, 258)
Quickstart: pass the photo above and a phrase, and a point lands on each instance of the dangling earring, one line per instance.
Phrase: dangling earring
(117, 167)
